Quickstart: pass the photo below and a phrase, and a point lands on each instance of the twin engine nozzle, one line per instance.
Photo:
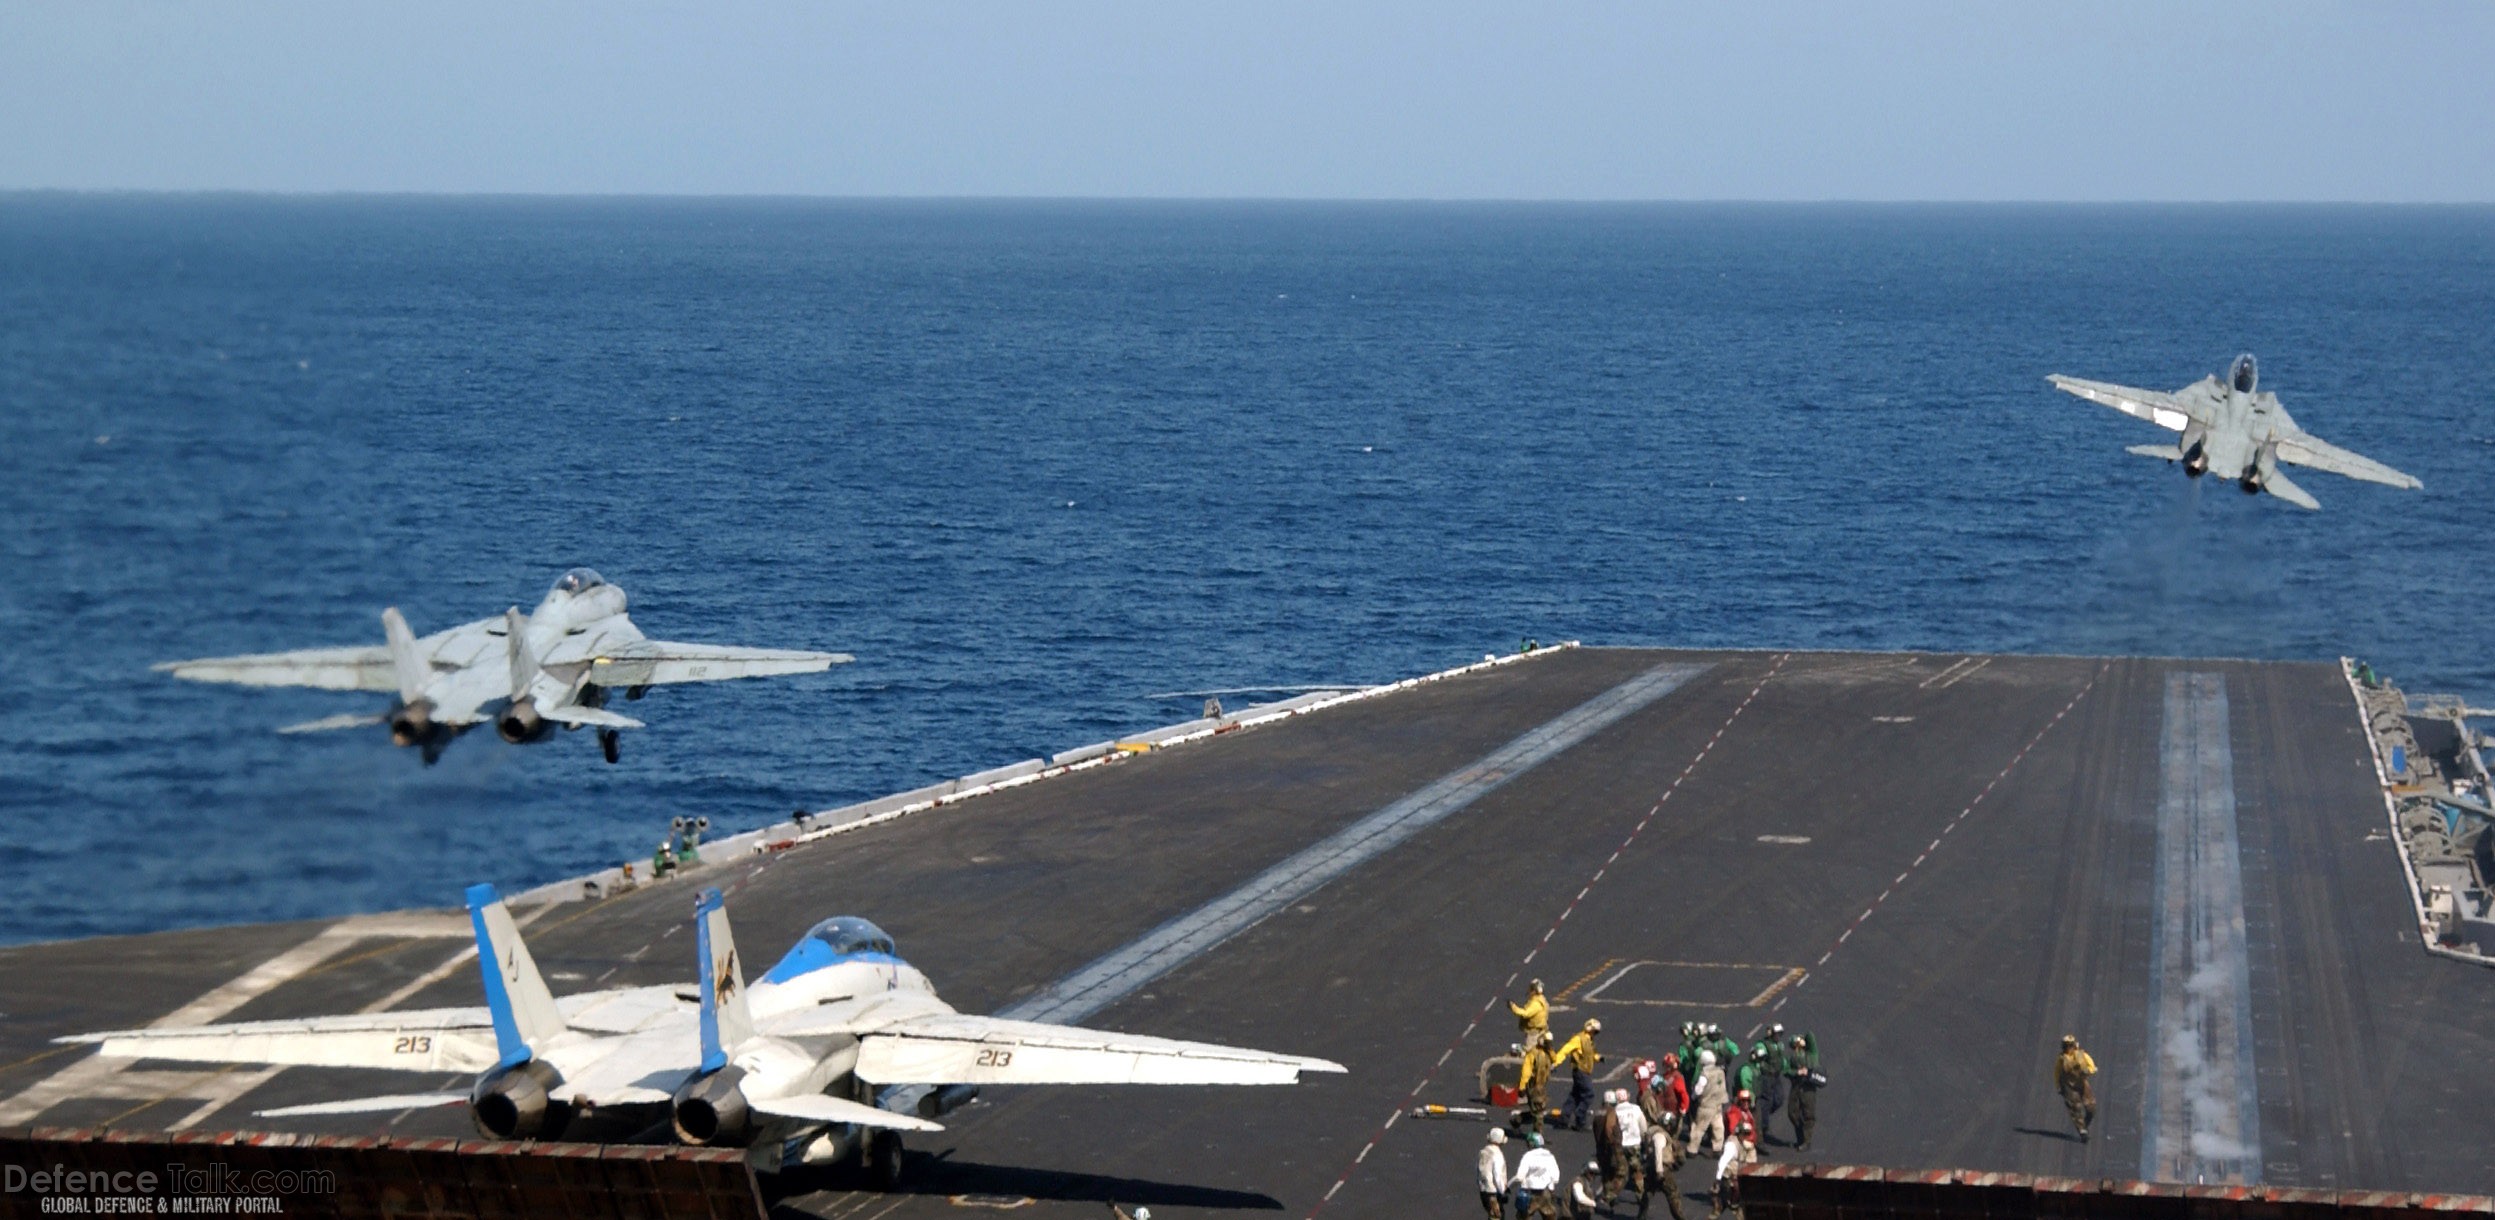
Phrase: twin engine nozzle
(710, 1110)
(520, 723)
(513, 1103)
(412, 723)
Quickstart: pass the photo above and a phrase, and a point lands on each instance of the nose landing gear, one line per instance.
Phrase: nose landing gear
(611, 744)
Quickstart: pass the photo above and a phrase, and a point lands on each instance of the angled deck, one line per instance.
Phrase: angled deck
(1939, 864)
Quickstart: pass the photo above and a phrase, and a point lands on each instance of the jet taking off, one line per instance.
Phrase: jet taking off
(525, 672)
(2233, 429)
(828, 1056)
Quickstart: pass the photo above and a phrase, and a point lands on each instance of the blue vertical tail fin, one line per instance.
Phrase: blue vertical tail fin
(725, 1023)
(524, 1012)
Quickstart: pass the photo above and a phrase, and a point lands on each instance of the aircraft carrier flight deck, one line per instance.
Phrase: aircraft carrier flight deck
(1937, 864)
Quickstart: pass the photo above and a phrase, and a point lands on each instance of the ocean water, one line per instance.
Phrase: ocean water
(1039, 464)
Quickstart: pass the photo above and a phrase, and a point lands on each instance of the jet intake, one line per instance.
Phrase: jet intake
(412, 723)
(710, 1111)
(520, 723)
(511, 1103)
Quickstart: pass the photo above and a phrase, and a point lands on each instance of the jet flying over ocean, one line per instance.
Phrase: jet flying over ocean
(825, 1059)
(2235, 430)
(527, 673)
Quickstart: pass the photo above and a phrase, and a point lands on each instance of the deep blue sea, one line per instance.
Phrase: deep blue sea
(1037, 464)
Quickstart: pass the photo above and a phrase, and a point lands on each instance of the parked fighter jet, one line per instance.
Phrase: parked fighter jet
(525, 672)
(2235, 430)
(828, 1057)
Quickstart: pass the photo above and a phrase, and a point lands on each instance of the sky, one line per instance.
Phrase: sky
(2226, 100)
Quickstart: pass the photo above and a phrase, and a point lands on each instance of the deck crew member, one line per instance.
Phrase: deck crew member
(1738, 1151)
(1585, 1195)
(1533, 1082)
(1772, 1096)
(1671, 1091)
(1802, 1072)
(1629, 1134)
(1580, 1056)
(1727, 1051)
(1739, 1114)
(1607, 1139)
(1537, 1182)
(1491, 1173)
(1664, 1150)
(1706, 1102)
(2071, 1073)
(1533, 1017)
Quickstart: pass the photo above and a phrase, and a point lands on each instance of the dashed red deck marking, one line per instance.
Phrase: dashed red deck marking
(1547, 933)
(1894, 886)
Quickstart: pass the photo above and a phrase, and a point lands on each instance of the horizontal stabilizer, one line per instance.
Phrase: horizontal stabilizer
(2279, 485)
(2170, 453)
(573, 713)
(366, 1105)
(817, 1108)
(351, 720)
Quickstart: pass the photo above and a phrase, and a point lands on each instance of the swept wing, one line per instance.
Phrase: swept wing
(427, 1040)
(2305, 449)
(440, 1040)
(659, 663)
(325, 668)
(2174, 411)
(369, 667)
(958, 1048)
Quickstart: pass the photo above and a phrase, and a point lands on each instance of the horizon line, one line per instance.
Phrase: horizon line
(351, 193)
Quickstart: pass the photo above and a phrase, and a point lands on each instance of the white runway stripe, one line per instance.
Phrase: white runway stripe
(1113, 977)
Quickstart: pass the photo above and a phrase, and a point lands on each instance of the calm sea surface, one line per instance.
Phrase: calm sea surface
(1038, 464)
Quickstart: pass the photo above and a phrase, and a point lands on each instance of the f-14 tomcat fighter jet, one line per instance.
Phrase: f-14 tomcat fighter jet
(2235, 430)
(525, 672)
(826, 1058)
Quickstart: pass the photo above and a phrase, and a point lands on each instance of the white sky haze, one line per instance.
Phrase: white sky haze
(1763, 99)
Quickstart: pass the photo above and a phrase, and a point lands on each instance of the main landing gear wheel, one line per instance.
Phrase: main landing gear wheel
(611, 743)
(883, 1159)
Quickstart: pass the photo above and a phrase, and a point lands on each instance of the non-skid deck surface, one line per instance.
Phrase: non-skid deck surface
(1937, 864)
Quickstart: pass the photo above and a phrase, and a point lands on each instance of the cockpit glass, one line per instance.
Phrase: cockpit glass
(849, 934)
(578, 579)
(2247, 374)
